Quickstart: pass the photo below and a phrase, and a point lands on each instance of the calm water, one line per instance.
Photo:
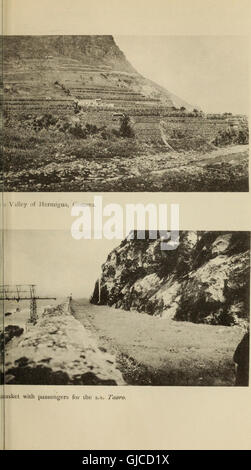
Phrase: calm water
(20, 311)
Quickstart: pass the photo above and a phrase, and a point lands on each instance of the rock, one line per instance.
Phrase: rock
(10, 331)
(241, 358)
(205, 280)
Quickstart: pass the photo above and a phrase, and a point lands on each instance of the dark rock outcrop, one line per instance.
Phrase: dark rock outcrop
(205, 280)
(10, 331)
(241, 358)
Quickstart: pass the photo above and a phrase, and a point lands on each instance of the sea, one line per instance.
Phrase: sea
(18, 313)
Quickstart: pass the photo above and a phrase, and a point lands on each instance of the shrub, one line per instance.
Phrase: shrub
(231, 136)
(243, 137)
(44, 121)
(78, 131)
(126, 129)
(91, 129)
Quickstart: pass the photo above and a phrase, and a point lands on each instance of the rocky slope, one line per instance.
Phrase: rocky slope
(205, 280)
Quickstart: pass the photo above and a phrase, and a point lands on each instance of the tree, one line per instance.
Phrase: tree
(126, 129)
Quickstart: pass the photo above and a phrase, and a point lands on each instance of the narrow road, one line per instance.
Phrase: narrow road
(157, 351)
(234, 153)
(100, 356)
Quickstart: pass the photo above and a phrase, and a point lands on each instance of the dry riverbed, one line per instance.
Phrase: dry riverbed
(223, 169)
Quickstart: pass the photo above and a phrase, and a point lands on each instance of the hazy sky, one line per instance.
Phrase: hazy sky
(210, 72)
(53, 260)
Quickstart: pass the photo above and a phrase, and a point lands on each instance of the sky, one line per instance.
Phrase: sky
(58, 264)
(210, 72)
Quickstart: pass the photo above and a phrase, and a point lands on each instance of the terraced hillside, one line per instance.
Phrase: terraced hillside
(64, 100)
(78, 67)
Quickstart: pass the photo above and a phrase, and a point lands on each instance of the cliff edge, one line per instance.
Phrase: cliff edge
(205, 280)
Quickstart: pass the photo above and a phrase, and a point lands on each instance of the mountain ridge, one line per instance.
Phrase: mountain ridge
(80, 51)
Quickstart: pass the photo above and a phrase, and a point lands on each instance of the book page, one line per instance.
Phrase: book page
(126, 225)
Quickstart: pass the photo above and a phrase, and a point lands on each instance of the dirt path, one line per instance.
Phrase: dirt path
(155, 351)
(235, 153)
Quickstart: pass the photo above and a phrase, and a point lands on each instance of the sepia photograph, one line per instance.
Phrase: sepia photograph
(109, 312)
(126, 222)
(125, 113)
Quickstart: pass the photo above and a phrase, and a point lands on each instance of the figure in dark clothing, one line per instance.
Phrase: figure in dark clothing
(241, 358)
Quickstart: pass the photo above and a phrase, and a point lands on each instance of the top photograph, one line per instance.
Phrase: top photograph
(125, 113)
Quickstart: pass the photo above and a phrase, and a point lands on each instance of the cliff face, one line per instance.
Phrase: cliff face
(205, 280)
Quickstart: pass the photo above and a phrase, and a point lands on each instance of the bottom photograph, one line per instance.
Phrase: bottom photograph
(111, 312)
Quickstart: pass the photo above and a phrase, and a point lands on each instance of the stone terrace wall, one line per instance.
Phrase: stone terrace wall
(58, 350)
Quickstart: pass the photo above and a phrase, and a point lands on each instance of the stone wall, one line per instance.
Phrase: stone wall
(58, 350)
